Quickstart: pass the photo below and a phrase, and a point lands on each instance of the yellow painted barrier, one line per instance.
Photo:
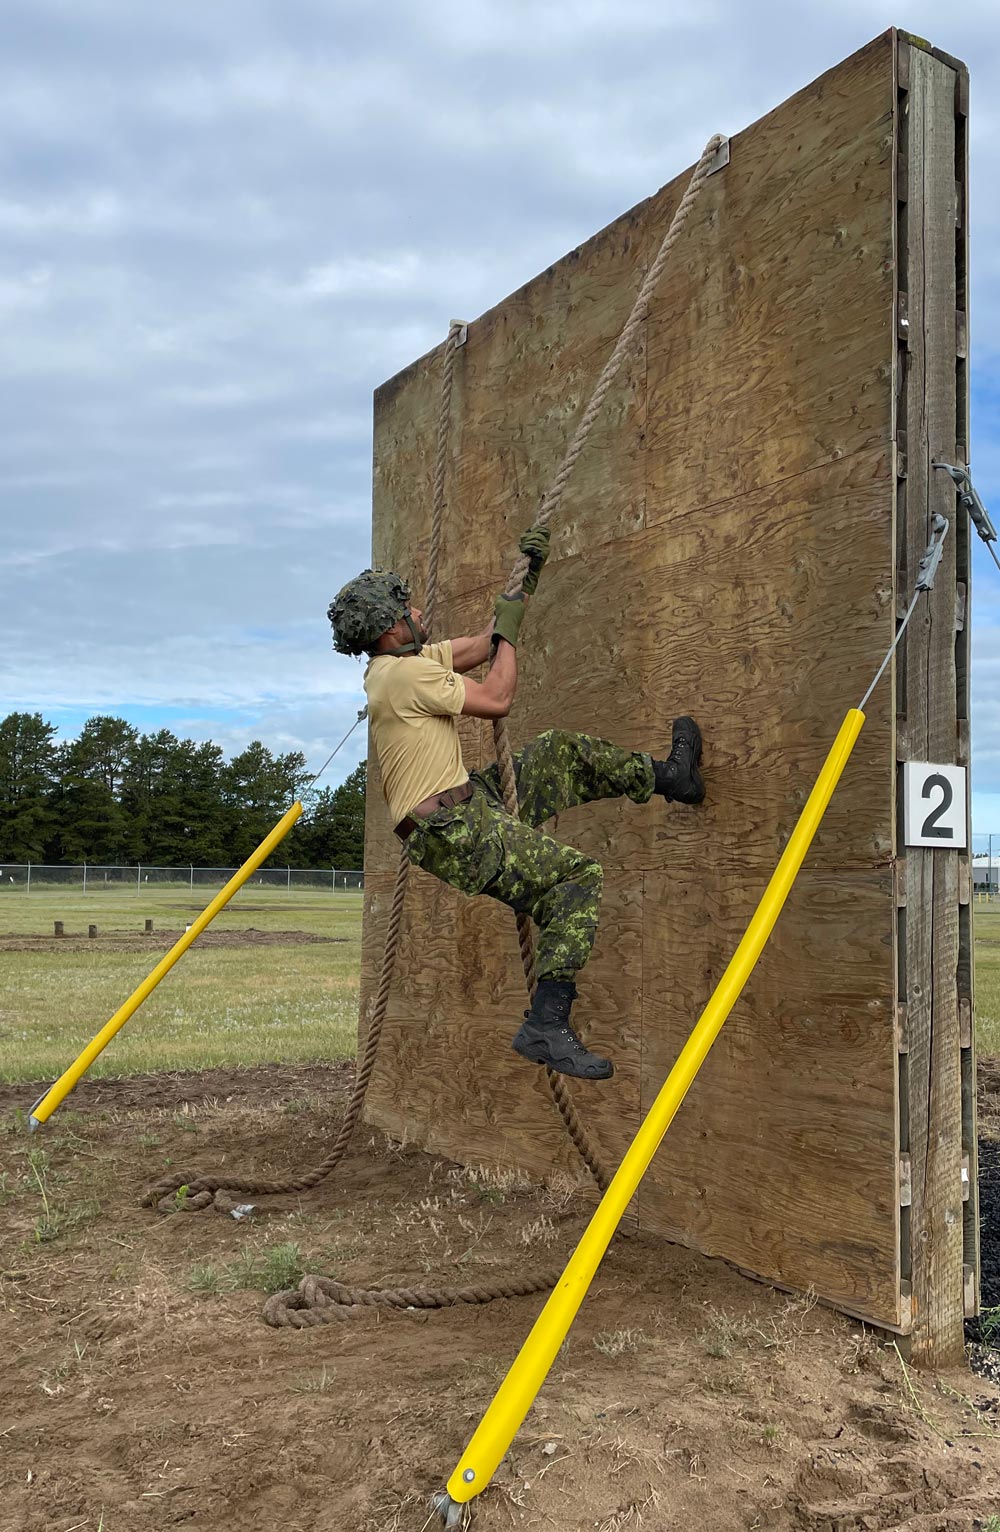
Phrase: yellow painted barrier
(517, 1392)
(56, 1094)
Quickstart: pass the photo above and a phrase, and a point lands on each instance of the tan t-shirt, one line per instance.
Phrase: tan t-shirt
(413, 701)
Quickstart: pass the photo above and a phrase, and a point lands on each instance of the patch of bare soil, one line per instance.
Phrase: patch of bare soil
(140, 1389)
(266, 1086)
(137, 941)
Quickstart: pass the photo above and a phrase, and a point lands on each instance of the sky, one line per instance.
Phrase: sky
(224, 222)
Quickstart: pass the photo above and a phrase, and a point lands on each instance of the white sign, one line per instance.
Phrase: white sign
(933, 804)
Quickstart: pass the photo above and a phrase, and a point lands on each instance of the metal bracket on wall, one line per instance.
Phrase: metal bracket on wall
(462, 334)
(721, 158)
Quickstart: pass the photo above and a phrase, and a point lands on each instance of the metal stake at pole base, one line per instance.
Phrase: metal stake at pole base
(450, 1511)
(33, 1121)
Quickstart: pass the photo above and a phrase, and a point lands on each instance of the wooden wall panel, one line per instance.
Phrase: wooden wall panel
(932, 414)
(783, 1156)
(780, 311)
(454, 1010)
(725, 547)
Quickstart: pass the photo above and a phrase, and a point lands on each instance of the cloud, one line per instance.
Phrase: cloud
(222, 226)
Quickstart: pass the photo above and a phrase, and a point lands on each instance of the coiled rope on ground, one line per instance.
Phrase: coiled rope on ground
(319, 1300)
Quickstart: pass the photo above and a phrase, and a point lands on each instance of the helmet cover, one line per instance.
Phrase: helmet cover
(365, 608)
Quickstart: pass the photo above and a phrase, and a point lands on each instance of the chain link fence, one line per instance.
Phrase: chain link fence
(92, 878)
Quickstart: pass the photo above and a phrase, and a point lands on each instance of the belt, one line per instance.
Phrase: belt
(446, 800)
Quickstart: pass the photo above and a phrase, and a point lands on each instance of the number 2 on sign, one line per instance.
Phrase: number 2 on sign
(931, 825)
(934, 808)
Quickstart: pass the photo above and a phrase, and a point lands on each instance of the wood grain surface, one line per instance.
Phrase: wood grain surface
(933, 1073)
(726, 548)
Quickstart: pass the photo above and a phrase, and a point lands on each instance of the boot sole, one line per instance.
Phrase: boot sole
(535, 1054)
(699, 786)
(696, 776)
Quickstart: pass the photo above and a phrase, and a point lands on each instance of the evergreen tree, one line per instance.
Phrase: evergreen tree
(257, 788)
(197, 782)
(116, 796)
(335, 833)
(92, 826)
(171, 793)
(28, 766)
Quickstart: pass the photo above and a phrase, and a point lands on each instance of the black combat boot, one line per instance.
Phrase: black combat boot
(678, 778)
(546, 1036)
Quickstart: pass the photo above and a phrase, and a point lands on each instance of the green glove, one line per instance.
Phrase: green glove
(535, 545)
(509, 616)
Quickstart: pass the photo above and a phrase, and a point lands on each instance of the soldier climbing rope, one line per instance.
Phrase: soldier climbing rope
(204, 1190)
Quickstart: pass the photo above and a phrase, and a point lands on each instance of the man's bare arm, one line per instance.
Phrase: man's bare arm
(494, 697)
(467, 653)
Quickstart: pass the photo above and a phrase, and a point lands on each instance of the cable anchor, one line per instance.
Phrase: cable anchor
(968, 496)
(931, 560)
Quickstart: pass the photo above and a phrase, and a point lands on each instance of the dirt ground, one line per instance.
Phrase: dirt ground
(141, 1390)
(156, 941)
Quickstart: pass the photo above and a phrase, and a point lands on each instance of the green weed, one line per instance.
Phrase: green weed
(280, 1267)
(243, 1269)
(989, 1325)
(205, 1278)
(57, 1221)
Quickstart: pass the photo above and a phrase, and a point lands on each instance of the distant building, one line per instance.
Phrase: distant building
(986, 873)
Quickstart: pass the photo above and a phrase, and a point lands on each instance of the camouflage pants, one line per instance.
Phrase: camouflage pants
(479, 848)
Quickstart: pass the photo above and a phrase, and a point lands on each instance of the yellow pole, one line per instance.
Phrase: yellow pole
(56, 1094)
(517, 1392)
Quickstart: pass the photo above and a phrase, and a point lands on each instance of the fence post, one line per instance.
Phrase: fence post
(138, 879)
(85, 878)
(191, 871)
(289, 884)
(29, 878)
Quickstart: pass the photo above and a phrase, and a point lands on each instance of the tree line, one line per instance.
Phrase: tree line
(117, 796)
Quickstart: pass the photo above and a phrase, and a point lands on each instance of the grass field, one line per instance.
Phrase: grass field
(249, 1003)
(986, 928)
(293, 1000)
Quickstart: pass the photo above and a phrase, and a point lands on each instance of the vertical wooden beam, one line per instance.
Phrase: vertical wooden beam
(928, 406)
(963, 658)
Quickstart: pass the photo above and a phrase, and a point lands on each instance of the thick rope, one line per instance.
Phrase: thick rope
(200, 1191)
(549, 506)
(440, 466)
(640, 310)
(188, 1192)
(319, 1300)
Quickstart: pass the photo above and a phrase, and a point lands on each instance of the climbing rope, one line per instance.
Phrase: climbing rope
(550, 504)
(201, 1191)
(320, 1300)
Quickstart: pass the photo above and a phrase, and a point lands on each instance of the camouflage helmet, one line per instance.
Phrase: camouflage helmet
(366, 608)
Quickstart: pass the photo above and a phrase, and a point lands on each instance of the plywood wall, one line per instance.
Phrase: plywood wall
(726, 548)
